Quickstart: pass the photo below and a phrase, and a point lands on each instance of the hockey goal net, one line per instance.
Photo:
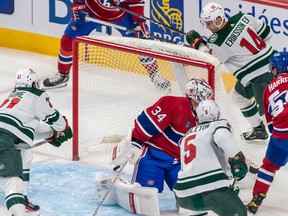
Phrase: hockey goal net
(111, 86)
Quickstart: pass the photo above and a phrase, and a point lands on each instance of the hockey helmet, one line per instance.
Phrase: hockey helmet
(198, 89)
(279, 61)
(207, 111)
(26, 78)
(211, 12)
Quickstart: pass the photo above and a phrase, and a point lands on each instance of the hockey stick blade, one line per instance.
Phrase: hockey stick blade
(27, 146)
(146, 18)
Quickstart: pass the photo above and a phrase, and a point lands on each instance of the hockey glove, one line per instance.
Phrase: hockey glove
(142, 30)
(79, 12)
(194, 39)
(134, 151)
(238, 166)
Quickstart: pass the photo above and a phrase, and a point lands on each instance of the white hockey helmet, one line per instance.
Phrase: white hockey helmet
(210, 12)
(26, 78)
(198, 89)
(207, 111)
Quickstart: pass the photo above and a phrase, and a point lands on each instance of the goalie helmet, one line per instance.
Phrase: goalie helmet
(279, 61)
(26, 78)
(210, 12)
(207, 111)
(198, 89)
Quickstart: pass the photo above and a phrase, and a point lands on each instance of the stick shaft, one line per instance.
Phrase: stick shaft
(109, 189)
(146, 18)
(90, 19)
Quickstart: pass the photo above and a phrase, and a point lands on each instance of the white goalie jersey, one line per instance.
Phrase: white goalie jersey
(21, 111)
(201, 166)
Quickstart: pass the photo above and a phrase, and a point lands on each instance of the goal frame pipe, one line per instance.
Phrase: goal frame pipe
(110, 45)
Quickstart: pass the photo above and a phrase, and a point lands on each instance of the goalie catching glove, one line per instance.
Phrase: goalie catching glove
(59, 137)
(238, 166)
(194, 39)
(127, 151)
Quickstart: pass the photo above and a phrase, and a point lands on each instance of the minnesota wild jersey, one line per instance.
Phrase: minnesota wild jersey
(201, 169)
(242, 46)
(21, 111)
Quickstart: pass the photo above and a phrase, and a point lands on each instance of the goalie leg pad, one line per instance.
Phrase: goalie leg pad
(137, 199)
(103, 184)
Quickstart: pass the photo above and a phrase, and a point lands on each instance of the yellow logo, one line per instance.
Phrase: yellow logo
(163, 13)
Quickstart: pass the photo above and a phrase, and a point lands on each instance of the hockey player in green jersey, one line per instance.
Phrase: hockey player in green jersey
(241, 43)
(25, 115)
(202, 183)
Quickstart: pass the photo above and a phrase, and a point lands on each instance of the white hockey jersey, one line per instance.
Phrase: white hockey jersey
(21, 111)
(201, 169)
(242, 45)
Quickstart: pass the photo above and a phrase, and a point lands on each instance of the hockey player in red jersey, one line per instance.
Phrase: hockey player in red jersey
(275, 103)
(102, 10)
(156, 133)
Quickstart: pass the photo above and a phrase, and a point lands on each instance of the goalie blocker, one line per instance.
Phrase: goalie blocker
(128, 150)
(132, 197)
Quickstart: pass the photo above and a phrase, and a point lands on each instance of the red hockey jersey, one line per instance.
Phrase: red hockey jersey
(163, 124)
(103, 10)
(275, 104)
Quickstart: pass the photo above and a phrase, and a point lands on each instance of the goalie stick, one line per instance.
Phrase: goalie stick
(146, 18)
(110, 188)
(90, 19)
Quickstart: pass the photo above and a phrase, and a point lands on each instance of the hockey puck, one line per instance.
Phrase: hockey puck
(253, 170)
(116, 168)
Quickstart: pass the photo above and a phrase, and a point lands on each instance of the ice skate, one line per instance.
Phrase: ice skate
(159, 81)
(29, 206)
(256, 135)
(255, 203)
(58, 80)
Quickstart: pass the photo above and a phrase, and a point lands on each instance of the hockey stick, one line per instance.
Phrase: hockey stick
(27, 146)
(144, 17)
(110, 188)
(90, 19)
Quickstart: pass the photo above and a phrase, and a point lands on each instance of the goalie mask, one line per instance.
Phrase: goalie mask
(211, 12)
(198, 89)
(207, 111)
(279, 61)
(26, 78)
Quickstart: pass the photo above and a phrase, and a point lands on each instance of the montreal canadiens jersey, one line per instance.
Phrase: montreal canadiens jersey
(21, 111)
(242, 46)
(163, 124)
(103, 10)
(275, 104)
(201, 169)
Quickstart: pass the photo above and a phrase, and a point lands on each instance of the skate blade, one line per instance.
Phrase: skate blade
(256, 141)
(54, 87)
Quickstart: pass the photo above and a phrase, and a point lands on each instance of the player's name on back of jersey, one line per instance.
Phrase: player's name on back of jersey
(199, 128)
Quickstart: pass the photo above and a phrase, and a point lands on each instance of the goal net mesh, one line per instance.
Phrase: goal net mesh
(111, 87)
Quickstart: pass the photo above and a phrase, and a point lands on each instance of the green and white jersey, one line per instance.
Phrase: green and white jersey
(242, 46)
(21, 111)
(200, 166)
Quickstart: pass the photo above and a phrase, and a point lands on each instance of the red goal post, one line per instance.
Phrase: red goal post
(99, 59)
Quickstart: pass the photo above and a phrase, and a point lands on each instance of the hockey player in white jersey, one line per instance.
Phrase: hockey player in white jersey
(202, 184)
(242, 44)
(25, 115)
